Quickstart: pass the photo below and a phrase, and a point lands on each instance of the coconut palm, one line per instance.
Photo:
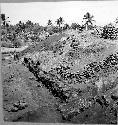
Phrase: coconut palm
(89, 19)
(59, 21)
(49, 22)
(4, 20)
(116, 21)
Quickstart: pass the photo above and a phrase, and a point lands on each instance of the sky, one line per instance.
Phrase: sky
(104, 12)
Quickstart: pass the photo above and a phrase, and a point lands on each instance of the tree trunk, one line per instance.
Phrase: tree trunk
(59, 25)
(86, 26)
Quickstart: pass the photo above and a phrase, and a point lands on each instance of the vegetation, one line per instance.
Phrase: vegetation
(110, 32)
(49, 22)
(75, 26)
(59, 21)
(4, 20)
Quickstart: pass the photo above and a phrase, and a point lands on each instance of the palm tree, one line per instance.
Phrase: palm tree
(4, 20)
(49, 22)
(89, 19)
(59, 21)
(116, 21)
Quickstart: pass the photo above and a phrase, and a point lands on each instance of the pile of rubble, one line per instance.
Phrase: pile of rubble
(77, 90)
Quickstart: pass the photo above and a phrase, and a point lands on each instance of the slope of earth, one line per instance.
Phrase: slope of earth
(84, 68)
(25, 99)
(73, 56)
(43, 45)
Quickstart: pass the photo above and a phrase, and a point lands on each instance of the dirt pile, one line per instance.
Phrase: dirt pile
(75, 72)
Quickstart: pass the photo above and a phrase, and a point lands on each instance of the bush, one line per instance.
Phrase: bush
(56, 29)
(76, 26)
(109, 32)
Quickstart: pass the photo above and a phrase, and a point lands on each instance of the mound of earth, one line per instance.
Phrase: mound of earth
(80, 69)
(44, 44)
(76, 73)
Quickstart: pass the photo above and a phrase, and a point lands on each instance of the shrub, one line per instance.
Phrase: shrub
(56, 29)
(76, 26)
(109, 32)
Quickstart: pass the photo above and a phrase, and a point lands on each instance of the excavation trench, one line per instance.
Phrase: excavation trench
(48, 80)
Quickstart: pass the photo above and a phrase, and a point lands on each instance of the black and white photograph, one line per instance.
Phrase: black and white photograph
(59, 62)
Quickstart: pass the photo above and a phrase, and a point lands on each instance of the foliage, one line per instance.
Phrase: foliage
(59, 21)
(4, 20)
(116, 21)
(56, 29)
(49, 22)
(76, 26)
(109, 32)
(66, 26)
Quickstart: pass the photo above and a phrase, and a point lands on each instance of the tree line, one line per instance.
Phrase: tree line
(59, 22)
(35, 28)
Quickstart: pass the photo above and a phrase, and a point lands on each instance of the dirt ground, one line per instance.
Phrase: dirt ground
(20, 84)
